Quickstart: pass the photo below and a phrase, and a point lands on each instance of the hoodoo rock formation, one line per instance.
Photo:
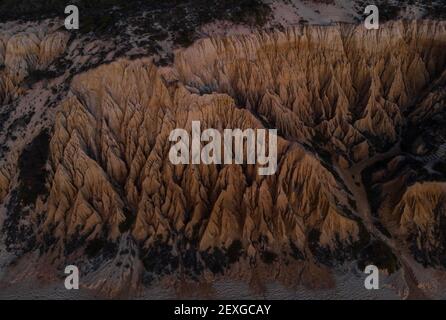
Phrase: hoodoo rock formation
(349, 176)
(111, 174)
(343, 89)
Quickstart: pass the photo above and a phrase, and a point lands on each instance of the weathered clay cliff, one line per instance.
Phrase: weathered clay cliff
(24, 52)
(342, 89)
(111, 173)
(344, 101)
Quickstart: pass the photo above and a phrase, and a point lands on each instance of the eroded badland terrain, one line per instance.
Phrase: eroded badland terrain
(85, 177)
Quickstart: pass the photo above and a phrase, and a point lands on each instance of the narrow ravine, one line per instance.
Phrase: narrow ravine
(354, 182)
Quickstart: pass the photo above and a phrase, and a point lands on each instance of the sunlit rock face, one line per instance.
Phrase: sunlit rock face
(343, 100)
(112, 175)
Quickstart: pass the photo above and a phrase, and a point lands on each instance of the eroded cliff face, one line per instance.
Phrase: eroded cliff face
(4, 182)
(112, 176)
(342, 98)
(422, 215)
(24, 52)
(27, 55)
(341, 89)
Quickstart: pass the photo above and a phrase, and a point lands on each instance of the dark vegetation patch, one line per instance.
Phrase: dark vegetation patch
(5, 113)
(421, 247)
(162, 259)
(96, 251)
(73, 243)
(430, 132)
(268, 256)
(159, 259)
(215, 260)
(180, 17)
(105, 248)
(32, 171)
(190, 260)
(380, 144)
(344, 250)
(437, 9)
(19, 230)
(19, 123)
(235, 251)
(20, 237)
(379, 254)
(129, 221)
(38, 75)
(389, 11)
(219, 259)
(440, 167)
